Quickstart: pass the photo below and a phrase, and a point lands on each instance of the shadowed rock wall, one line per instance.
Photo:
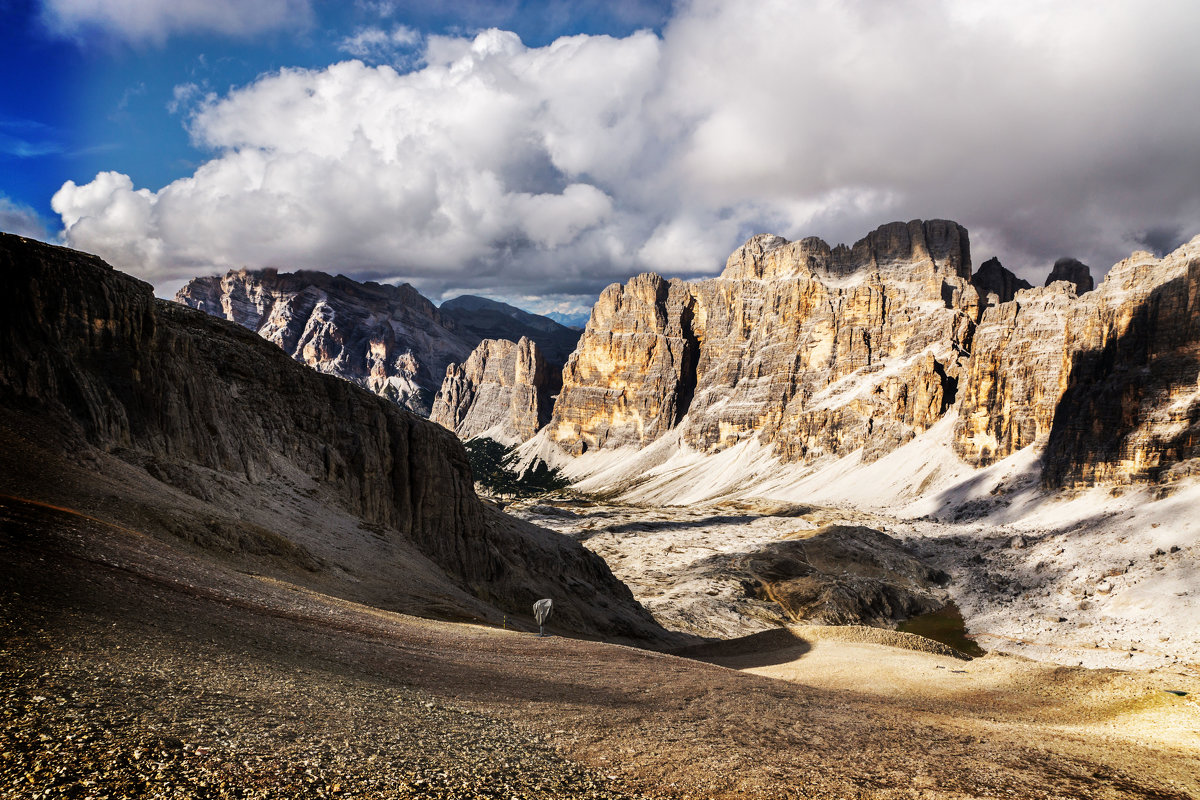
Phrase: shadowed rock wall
(1107, 379)
(92, 350)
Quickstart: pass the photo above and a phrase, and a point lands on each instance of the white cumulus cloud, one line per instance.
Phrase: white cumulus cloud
(154, 21)
(1048, 128)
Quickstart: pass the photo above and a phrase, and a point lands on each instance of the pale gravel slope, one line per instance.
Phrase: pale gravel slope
(1104, 577)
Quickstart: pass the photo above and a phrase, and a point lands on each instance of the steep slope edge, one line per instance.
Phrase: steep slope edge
(199, 406)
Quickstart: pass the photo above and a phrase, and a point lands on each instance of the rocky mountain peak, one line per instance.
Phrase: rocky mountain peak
(1074, 272)
(919, 249)
(389, 339)
(812, 349)
(996, 284)
(746, 263)
(502, 391)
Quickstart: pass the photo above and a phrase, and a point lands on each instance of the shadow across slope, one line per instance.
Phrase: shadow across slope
(146, 413)
(1132, 409)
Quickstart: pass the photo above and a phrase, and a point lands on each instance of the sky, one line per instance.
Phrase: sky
(538, 151)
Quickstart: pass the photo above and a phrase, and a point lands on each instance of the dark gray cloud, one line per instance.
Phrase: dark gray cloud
(1161, 241)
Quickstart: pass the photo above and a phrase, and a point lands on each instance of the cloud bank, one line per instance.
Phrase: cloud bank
(153, 21)
(1047, 128)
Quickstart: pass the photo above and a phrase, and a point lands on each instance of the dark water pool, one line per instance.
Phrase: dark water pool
(944, 625)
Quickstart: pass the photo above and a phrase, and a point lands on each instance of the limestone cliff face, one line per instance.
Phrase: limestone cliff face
(389, 339)
(813, 349)
(89, 352)
(1107, 379)
(1018, 370)
(819, 350)
(501, 391)
(822, 350)
(1131, 409)
(631, 376)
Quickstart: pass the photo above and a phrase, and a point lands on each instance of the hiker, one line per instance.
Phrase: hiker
(541, 612)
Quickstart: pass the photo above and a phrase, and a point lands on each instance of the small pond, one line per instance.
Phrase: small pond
(946, 626)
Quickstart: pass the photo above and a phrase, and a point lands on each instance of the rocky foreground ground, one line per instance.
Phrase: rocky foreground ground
(129, 666)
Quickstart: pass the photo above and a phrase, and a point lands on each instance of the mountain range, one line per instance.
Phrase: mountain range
(389, 339)
(812, 350)
(206, 542)
(818, 352)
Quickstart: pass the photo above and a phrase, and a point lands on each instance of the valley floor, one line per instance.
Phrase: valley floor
(1101, 577)
(133, 667)
(1082, 582)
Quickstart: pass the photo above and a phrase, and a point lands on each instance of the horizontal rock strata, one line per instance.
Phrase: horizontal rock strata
(814, 349)
(822, 351)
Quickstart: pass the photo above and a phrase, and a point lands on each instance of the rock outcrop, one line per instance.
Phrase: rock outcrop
(502, 391)
(996, 284)
(821, 350)
(1018, 370)
(224, 424)
(1073, 272)
(1131, 408)
(631, 377)
(1107, 380)
(813, 349)
(842, 575)
(389, 339)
